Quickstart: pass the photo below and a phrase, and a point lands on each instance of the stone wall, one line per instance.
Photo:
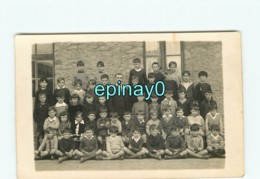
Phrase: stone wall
(117, 56)
(206, 56)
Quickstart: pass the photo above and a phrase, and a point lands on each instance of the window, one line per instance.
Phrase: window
(163, 53)
(42, 65)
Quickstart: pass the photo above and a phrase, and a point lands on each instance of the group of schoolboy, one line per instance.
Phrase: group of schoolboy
(80, 125)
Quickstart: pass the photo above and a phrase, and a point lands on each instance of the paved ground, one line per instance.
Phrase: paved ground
(131, 164)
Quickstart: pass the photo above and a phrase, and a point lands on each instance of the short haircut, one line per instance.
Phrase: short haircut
(209, 91)
(113, 129)
(80, 63)
(103, 110)
(43, 79)
(63, 113)
(214, 128)
(182, 91)
(153, 127)
(100, 63)
(78, 113)
(168, 92)
(186, 72)
(60, 79)
(168, 108)
(195, 107)
(78, 82)
(48, 130)
(104, 76)
(151, 75)
(172, 63)
(118, 74)
(179, 108)
(60, 94)
(42, 94)
(91, 112)
(140, 112)
(203, 73)
(89, 95)
(136, 60)
(127, 113)
(153, 111)
(213, 107)
(74, 95)
(51, 108)
(167, 72)
(194, 127)
(92, 81)
(136, 130)
(88, 129)
(113, 114)
(155, 63)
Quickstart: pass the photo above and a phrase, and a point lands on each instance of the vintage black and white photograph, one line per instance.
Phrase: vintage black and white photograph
(131, 104)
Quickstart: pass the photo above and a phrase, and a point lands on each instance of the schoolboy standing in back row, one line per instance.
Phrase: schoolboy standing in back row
(138, 71)
(61, 88)
(80, 75)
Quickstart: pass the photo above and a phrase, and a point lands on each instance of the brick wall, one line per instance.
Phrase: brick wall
(206, 56)
(117, 56)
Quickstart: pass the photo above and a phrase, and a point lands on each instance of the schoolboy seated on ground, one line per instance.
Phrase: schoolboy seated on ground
(66, 146)
(114, 145)
(127, 127)
(155, 143)
(215, 143)
(49, 145)
(167, 122)
(135, 148)
(195, 143)
(88, 148)
(175, 146)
